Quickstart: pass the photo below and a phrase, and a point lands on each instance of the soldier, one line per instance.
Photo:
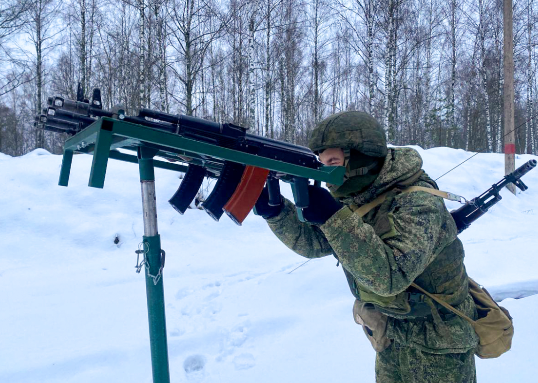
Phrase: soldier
(385, 240)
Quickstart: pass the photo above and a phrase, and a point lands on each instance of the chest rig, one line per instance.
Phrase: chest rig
(446, 269)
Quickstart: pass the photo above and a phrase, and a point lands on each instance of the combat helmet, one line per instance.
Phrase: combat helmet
(350, 131)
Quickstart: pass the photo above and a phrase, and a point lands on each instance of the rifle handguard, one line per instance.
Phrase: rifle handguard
(188, 188)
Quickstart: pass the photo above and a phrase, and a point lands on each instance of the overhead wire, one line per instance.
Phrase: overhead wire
(481, 151)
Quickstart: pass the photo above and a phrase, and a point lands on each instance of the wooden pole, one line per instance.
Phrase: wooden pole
(509, 134)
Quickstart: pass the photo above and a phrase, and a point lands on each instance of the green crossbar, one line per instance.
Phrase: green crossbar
(106, 134)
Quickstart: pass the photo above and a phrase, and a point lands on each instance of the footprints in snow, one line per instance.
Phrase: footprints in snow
(194, 363)
(230, 343)
(194, 367)
(204, 301)
(244, 361)
(205, 306)
(214, 289)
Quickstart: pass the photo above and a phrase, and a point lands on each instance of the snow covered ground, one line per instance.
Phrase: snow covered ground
(74, 310)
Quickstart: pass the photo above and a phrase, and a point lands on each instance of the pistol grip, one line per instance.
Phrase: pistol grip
(246, 194)
(188, 188)
(300, 192)
(273, 188)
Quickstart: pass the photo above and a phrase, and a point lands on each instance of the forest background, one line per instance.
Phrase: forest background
(430, 71)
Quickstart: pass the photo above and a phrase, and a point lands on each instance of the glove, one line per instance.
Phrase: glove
(262, 207)
(321, 206)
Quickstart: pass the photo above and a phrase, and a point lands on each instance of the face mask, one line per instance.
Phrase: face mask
(352, 186)
(358, 163)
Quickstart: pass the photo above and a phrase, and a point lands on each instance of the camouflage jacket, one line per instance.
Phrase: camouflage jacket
(409, 238)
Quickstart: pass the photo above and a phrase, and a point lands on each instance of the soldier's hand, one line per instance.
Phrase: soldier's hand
(321, 206)
(263, 208)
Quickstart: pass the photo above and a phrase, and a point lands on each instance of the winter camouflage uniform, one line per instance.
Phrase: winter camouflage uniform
(411, 237)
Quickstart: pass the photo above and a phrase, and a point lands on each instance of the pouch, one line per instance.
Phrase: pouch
(374, 324)
(494, 325)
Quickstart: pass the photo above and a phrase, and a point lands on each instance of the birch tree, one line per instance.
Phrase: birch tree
(390, 70)
(252, 27)
(39, 27)
(192, 34)
(268, 84)
(359, 17)
(453, 6)
(431, 24)
(141, 4)
(498, 64)
(530, 140)
(83, 54)
(482, 20)
(319, 24)
(290, 58)
(158, 7)
(12, 18)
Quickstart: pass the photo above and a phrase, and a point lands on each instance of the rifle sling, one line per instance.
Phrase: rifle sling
(364, 209)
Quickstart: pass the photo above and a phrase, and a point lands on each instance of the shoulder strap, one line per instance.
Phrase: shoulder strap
(443, 194)
(364, 209)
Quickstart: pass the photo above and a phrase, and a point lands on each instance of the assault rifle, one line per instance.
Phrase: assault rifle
(238, 186)
(477, 207)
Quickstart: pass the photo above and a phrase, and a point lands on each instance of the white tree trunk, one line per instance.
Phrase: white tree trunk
(497, 111)
(427, 137)
(161, 61)
(83, 46)
(452, 101)
(38, 42)
(390, 54)
(316, 110)
(268, 125)
(369, 18)
(89, 50)
(251, 76)
(483, 76)
(142, 39)
(530, 120)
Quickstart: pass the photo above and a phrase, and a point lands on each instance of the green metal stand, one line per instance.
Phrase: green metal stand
(103, 139)
(154, 263)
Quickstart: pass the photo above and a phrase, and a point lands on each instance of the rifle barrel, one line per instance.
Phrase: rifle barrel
(523, 169)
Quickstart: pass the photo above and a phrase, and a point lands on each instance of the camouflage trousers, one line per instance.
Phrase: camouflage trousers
(400, 364)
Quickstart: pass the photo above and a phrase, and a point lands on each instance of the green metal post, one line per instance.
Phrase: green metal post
(100, 155)
(67, 159)
(154, 267)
